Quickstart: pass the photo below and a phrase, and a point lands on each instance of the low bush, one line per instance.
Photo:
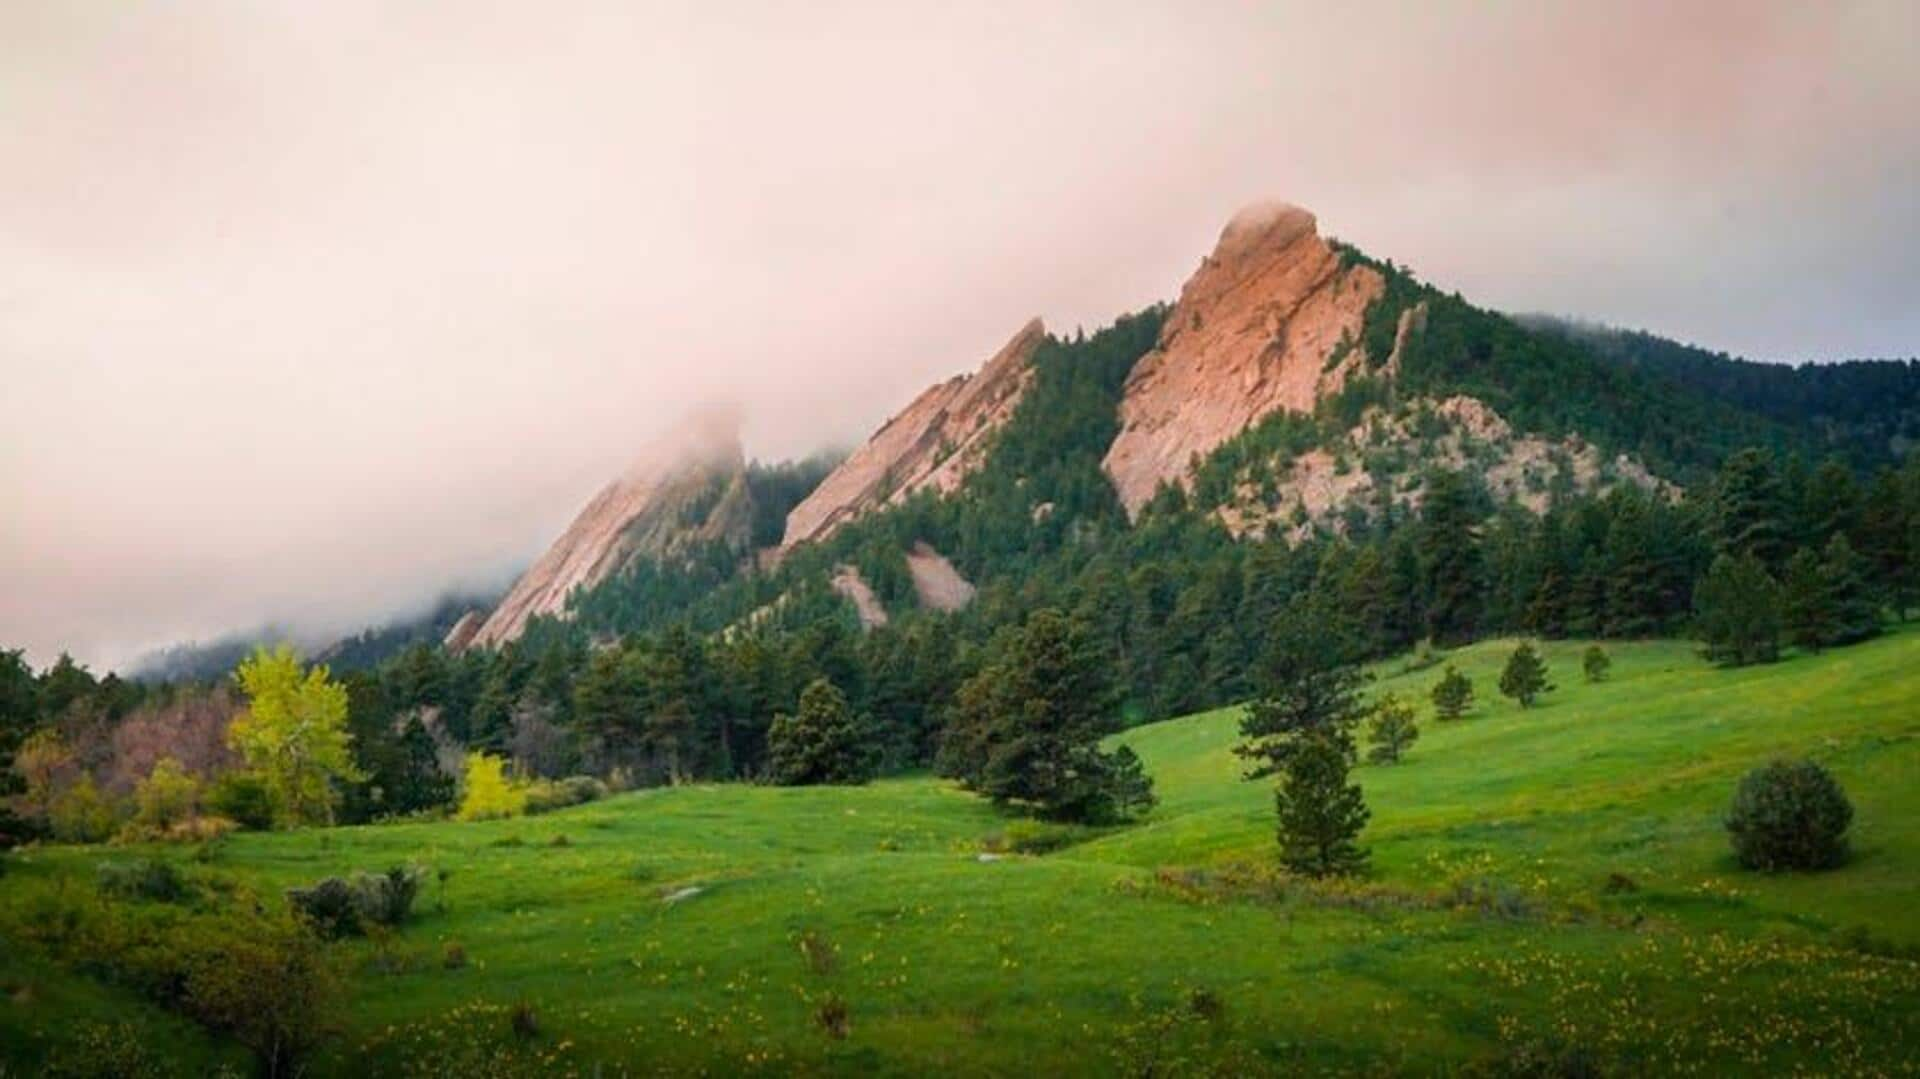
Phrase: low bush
(1033, 837)
(1789, 815)
(244, 799)
(147, 879)
(337, 907)
(561, 793)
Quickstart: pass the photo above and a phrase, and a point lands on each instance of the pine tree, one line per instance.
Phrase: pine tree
(1032, 725)
(1736, 609)
(1450, 561)
(822, 742)
(1525, 677)
(1805, 608)
(1452, 695)
(1306, 687)
(1850, 600)
(1749, 509)
(1390, 730)
(1320, 813)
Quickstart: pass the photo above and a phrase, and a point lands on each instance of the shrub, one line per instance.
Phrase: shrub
(81, 814)
(559, 794)
(243, 798)
(524, 1020)
(833, 1017)
(1596, 663)
(338, 908)
(453, 956)
(486, 791)
(149, 879)
(1789, 815)
(166, 798)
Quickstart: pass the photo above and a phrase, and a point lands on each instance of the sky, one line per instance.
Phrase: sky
(311, 311)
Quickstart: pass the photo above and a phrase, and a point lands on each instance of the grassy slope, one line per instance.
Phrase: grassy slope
(1082, 960)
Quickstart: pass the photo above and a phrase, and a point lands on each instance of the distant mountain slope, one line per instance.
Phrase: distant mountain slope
(1865, 410)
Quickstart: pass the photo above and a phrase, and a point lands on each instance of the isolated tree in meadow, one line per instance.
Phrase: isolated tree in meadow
(293, 734)
(1300, 729)
(1452, 695)
(1320, 813)
(1390, 730)
(822, 742)
(1736, 611)
(1525, 676)
(1596, 664)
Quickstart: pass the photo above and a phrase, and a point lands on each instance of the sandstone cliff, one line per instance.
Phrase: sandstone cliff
(932, 445)
(690, 488)
(1253, 332)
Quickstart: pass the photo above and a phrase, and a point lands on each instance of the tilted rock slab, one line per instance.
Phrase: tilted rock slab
(934, 444)
(1253, 332)
(690, 488)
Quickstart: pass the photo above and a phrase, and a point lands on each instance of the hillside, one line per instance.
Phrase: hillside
(1553, 890)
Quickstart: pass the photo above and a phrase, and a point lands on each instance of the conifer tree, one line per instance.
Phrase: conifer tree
(1805, 609)
(1320, 813)
(1390, 730)
(1736, 610)
(822, 742)
(1525, 676)
(1749, 509)
(1853, 608)
(1450, 562)
(1452, 695)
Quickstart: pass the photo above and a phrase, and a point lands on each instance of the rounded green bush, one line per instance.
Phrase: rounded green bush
(1789, 815)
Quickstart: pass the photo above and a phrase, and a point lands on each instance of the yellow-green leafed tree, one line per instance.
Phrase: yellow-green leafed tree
(486, 791)
(293, 734)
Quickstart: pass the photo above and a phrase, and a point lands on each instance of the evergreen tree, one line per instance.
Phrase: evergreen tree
(19, 714)
(1452, 695)
(1039, 715)
(1450, 559)
(1749, 509)
(1805, 608)
(1850, 600)
(1882, 538)
(1525, 676)
(1736, 610)
(1391, 730)
(1320, 813)
(1306, 687)
(822, 742)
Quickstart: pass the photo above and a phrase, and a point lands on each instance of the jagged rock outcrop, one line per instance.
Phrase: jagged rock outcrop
(689, 489)
(932, 445)
(1253, 332)
(1319, 488)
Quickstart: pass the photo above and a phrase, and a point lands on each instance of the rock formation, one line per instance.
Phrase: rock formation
(1253, 332)
(847, 581)
(932, 445)
(689, 489)
(936, 583)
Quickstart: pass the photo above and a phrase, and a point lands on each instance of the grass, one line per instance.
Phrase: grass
(1552, 889)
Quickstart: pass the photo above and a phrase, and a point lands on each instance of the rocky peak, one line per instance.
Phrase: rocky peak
(934, 444)
(688, 488)
(1253, 332)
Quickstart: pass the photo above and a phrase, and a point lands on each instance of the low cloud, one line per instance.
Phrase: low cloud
(310, 312)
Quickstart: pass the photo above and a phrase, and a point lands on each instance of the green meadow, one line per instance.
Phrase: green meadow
(1551, 891)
